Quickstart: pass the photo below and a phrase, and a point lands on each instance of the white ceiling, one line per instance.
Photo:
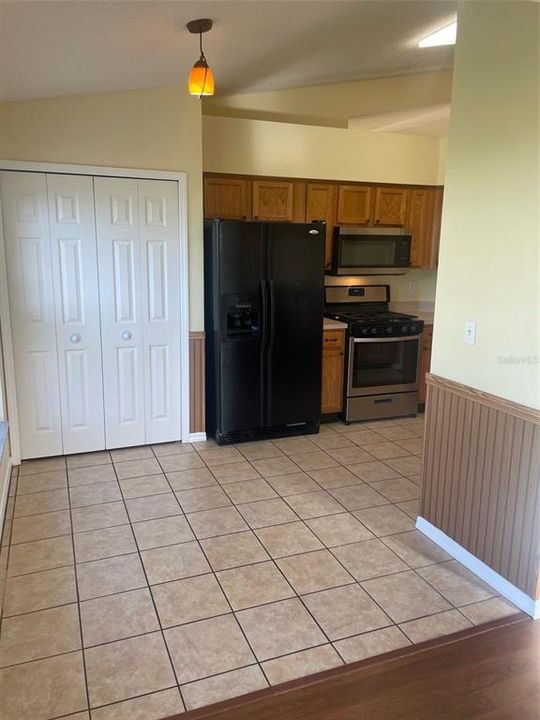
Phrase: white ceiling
(50, 48)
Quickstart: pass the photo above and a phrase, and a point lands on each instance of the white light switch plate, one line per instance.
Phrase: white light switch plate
(470, 332)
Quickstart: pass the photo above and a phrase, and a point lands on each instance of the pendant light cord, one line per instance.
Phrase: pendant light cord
(205, 67)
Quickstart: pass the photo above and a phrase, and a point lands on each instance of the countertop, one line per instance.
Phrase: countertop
(329, 324)
(423, 310)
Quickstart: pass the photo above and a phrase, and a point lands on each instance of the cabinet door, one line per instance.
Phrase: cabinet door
(321, 205)
(31, 300)
(78, 334)
(424, 223)
(332, 371)
(121, 298)
(354, 204)
(159, 220)
(227, 198)
(391, 205)
(273, 200)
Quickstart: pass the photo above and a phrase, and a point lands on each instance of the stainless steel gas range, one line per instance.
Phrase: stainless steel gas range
(383, 352)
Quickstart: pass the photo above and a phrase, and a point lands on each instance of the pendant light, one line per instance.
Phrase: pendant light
(201, 78)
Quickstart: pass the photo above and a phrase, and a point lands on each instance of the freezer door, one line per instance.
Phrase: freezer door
(241, 306)
(295, 271)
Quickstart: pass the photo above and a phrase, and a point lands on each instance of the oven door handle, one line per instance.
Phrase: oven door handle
(386, 339)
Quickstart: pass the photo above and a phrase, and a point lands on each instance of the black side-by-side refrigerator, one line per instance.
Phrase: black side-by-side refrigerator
(264, 298)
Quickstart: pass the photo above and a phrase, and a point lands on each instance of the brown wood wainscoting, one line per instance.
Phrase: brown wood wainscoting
(481, 479)
(196, 382)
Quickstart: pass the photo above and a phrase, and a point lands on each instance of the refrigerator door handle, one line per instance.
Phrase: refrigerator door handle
(263, 322)
(272, 318)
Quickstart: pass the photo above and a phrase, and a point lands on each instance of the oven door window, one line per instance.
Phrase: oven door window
(384, 363)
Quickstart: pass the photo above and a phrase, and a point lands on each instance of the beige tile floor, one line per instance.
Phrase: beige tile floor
(150, 580)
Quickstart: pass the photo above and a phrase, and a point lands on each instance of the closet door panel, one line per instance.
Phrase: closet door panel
(32, 309)
(73, 243)
(158, 211)
(120, 287)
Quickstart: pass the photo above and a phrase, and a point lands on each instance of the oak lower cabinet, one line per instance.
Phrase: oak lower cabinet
(391, 205)
(332, 371)
(321, 205)
(273, 200)
(425, 362)
(227, 197)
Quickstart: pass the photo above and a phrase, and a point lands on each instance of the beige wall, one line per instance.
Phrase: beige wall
(489, 267)
(155, 129)
(260, 147)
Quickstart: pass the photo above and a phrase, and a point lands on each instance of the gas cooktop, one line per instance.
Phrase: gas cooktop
(377, 323)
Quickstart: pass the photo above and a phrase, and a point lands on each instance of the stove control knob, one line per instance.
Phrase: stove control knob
(404, 329)
(364, 331)
(373, 331)
(389, 330)
(413, 329)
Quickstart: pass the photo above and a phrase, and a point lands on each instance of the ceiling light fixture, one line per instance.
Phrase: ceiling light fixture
(201, 78)
(444, 36)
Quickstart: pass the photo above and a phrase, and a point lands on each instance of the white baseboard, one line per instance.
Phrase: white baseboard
(484, 572)
(196, 437)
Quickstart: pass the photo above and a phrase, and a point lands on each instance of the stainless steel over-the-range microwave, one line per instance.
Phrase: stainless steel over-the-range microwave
(370, 250)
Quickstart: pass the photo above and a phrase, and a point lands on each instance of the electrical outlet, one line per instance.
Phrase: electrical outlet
(470, 332)
(412, 287)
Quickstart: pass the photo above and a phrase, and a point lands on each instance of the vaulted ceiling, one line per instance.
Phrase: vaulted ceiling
(50, 48)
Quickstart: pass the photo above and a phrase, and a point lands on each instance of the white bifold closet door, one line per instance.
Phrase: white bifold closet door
(32, 310)
(137, 227)
(78, 334)
(93, 285)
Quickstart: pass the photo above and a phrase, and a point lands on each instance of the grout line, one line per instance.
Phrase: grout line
(173, 668)
(78, 603)
(216, 578)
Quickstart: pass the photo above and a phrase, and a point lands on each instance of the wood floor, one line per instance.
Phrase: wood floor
(493, 674)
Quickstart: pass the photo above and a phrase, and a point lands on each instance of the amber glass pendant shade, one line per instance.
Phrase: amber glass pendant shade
(201, 79)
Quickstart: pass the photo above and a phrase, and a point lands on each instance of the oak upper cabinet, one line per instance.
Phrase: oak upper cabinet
(424, 224)
(273, 200)
(228, 198)
(391, 205)
(321, 205)
(332, 371)
(425, 362)
(354, 204)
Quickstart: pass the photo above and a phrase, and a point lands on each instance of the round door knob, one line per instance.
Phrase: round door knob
(75, 338)
(126, 335)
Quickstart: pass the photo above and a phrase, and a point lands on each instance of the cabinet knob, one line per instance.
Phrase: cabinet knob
(75, 338)
(126, 335)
